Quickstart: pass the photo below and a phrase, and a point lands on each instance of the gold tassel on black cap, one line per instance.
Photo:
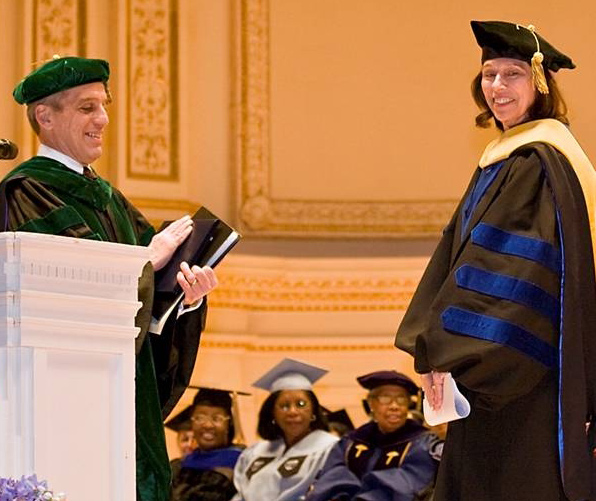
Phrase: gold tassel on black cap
(537, 69)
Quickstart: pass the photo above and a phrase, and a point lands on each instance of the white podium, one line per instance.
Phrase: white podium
(67, 363)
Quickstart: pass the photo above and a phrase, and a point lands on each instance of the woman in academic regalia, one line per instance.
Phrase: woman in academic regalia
(506, 304)
(206, 473)
(295, 442)
(390, 458)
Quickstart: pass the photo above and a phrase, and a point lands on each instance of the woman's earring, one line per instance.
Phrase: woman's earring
(273, 422)
(313, 418)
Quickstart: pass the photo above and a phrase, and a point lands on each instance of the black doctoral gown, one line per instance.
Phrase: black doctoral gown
(507, 305)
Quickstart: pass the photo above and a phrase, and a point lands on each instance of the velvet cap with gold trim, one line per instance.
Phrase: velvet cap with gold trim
(503, 39)
(60, 74)
(381, 378)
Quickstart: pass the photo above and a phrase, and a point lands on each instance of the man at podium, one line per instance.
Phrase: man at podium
(57, 192)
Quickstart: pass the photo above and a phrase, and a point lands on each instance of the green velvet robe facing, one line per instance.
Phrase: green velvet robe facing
(43, 196)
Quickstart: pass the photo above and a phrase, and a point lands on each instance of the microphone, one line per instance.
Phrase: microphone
(8, 150)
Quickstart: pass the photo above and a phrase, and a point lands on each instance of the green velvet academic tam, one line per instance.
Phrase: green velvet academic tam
(60, 74)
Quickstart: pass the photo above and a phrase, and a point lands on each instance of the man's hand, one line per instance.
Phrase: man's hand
(164, 243)
(432, 384)
(196, 282)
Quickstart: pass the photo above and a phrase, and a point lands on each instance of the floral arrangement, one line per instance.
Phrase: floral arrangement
(27, 489)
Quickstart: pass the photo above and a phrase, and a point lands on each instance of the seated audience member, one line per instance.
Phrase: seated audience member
(206, 473)
(295, 441)
(339, 422)
(391, 458)
(185, 438)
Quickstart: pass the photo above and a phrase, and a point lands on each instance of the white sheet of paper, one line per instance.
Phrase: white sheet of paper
(455, 405)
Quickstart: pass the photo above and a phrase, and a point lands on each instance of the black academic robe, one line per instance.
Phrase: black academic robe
(206, 475)
(367, 465)
(507, 306)
(43, 196)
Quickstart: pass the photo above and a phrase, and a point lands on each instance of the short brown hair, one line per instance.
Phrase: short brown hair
(551, 105)
(54, 101)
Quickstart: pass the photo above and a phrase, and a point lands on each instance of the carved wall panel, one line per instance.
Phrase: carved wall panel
(59, 28)
(152, 90)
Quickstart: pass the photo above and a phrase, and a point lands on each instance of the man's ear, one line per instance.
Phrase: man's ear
(44, 116)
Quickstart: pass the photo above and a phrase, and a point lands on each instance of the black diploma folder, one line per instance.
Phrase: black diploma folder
(210, 240)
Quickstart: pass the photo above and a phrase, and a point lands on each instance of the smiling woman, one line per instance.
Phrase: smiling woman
(206, 473)
(391, 457)
(283, 465)
(522, 238)
(508, 89)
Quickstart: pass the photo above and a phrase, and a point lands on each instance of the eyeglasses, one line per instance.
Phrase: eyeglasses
(217, 419)
(385, 399)
(299, 404)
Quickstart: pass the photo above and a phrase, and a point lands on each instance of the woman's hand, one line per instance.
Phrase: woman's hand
(164, 243)
(432, 385)
(196, 282)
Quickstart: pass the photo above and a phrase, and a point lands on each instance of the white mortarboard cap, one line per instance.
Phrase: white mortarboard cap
(290, 375)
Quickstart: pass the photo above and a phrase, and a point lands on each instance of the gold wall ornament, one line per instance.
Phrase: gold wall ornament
(59, 28)
(259, 289)
(260, 212)
(261, 347)
(152, 101)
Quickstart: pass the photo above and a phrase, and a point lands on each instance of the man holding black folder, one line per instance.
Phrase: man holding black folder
(57, 192)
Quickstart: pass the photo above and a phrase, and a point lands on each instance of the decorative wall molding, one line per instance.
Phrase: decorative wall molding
(184, 206)
(260, 212)
(152, 90)
(318, 285)
(294, 347)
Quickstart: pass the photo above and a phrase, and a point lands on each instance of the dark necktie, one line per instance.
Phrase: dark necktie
(89, 173)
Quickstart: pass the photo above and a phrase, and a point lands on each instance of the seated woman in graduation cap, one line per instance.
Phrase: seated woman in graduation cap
(506, 304)
(206, 473)
(295, 441)
(390, 458)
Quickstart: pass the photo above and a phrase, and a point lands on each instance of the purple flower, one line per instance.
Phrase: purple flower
(25, 489)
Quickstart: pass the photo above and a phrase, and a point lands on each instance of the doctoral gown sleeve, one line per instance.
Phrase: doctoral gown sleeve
(30, 206)
(335, 480)
(175, 351)
(487, 307)
(415, 475)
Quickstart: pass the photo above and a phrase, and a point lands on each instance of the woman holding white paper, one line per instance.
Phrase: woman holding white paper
(506, 304)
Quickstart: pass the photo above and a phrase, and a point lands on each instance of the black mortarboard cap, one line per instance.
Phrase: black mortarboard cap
(59, 74)
(503, 39)
(216, 398)
(181, 421)
(226, 399)
(340, 416)
(380, 378)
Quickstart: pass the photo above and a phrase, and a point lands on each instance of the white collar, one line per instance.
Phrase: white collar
(45, 151)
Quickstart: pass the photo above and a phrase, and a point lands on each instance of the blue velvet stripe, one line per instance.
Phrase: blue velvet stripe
(560, 434)
(495, 239)
(469, 323)
(509, 288)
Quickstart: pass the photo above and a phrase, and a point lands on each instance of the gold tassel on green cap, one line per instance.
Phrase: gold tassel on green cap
(537, 70)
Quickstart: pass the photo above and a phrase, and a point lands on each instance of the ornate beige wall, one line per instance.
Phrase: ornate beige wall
(320, 128)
